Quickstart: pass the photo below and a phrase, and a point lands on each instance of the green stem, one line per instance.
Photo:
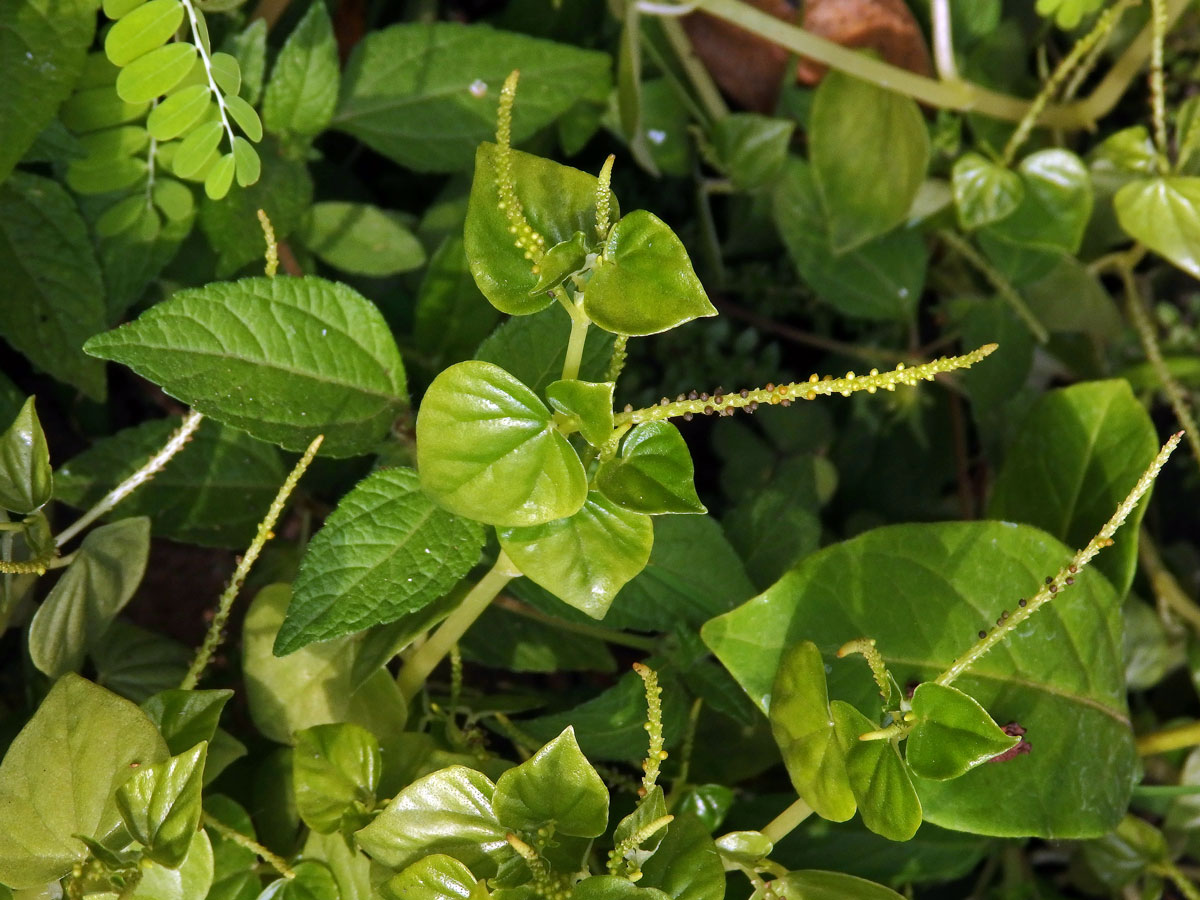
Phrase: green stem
(232, 834)
(419, 666)
(702, 83)
(575, 344)
(1006, 291)
(1177, 737)
(785, 823)
(1181, 881)
(1163, 583)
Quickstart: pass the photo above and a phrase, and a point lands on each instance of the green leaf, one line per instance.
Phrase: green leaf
(95, 175)
(925, 591)
(984, 191)
(385, 552)
(614, 887)
(558, 201)
(303, 90)
(55, 299)
(555, 788)
(744, 847)
(686, 865)
(487, 449)
(142, 30)
(137, 663)
(587, 406)
(508, 640)
(751, 148)
(152, 75)
(436, 877)
(285, 359)
(1056, 205)
(1077, 454)
(351, 868)
(226, 72)
(452, 316)
(313, 881)
(533, 348)
(26, 480)
(186, 718)
(882, 279)
(868, 166)
(360, 238)
(54, 785)
(813, 884)
(96, 586)
(952, 733)
(561, 260)
(179, 112)
(247, 165)
(643, 282)
(424, 95)
(245, 116)
(882, 786)
(219, 179)
(803, 726)
(43, 44)
(448, 811)
(651, 808)
(1129, 151)
(653, 474)
(196, 149)
(160, 805)
(335, 770)
(249, 48)
(585, 558)
(190, 881)
(1164, 214)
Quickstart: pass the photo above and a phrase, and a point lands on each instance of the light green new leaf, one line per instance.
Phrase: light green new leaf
(335, 770)
(929, 589)
(882, 786)
(26, 480)
(487, 449)
(556, 787)
(247, 165)
(952, 733)
(160, 805)
(868, 166)
(196, 150)
(1129, 151)
(1077, 454)
(190, 881)
(303, 89)
(651, 808)
(587, 405)
(96, 586)
(585, 558)
(1164, 214)
(814, 884)
(245, 117)
(745, 848)
(219, 179)
(53, 785)
(226, 72)
(186, 718)
(54, 297)
(644, 282)
(152, 75)
(360, 238)
(142, 30)
(654, 473)
(424, 95)
(1055, 207)
(448, 811)
(313, 881)
(558, 201)
(179, 112)
(803, 726)
(560, 261)
(984, 191)
(385, 552)
(436, 877)
(285, 359)
(686, 865)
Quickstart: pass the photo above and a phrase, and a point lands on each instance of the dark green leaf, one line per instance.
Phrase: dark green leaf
(813, 884)
(653, 474)
(555, 788)
(137, 663)
(952, 733)
(1056, 205)
(1164, 214)
(185, 718)
(249, 48)
(26, 480)
(452, 316)
(313, 881)
(160, 805)
(686, 865)
(533, 349)
(360, 238)
(302, 93)
(436, 877)
(984, 191)
(506, 640)
(710, 803)
(335, 770)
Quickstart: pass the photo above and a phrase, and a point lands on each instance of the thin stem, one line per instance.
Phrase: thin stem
(216, 629)
(785, 823)
(1163, 583)
(1001, 284)
(799, 336)
(697, 73)
(152, 467)
(419, 666)
(608, 635)
(1158, 107)
(575, 344)
(943, 40)
(1177, 737)
(232, 834)
(1181, 881)
(206, 60)
(1065, 576)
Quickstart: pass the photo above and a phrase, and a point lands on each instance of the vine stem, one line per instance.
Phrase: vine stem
(785, 823)
(149, 469)
(232, 834)
(1006, 291)
(608, 635)
(1163, 583)
(1173, 872)
(1177, 737)
(943, 40)
(216, 628)
(419, 666)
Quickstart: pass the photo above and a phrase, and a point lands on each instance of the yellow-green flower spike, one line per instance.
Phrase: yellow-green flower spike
(725, 404)
(272, 255)
(524, 237)
(654, 726)
(866, 646)
(602, 197)
(1065, 577)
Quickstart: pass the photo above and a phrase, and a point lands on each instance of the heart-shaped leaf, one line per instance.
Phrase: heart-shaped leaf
(26, 480)
(984, 191)
(1164, 214)
(160, 805)
(335, 770)
(1056, 205)
(654, 473)
(952, 734)
(588, 406)
(556, 787)
(436, 877)
(878, 777)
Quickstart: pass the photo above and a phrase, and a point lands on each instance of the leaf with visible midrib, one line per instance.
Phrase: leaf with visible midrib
(284, 359)
(924, 592)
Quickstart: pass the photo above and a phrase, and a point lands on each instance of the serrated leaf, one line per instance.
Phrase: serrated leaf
(335, 770)
(654, 473)
(487, 449)
(882, 786)
(96, 586)
(951, 734)
(585, 558)
(361, 238)
(556, 787)
(587, 405)
(385, 552)
(303, 90)
(424, 95)
(160, 805)
(436, 877)
(179, 112)
(54, 786)
(195, 149)
(984, 191)
(154, 74)
(141, 30)
(1164, 214)
(250, 50)
(285, 359)
(26, 480)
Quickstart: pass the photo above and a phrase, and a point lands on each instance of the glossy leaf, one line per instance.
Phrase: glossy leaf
(302, 92)
(587, 405)
(190, 881)
(186, 718)
(26, 480)
(814, 884)
(650, 809)
(448, 811)
(686, 865)
(335, 770)
(424, 94)
(96, 586)
(487, 449)
(160, 805)
(386, 551)
(1164, 214)
(558, 201)
(744, 847)
(284, 359)
(360, 238)
(54, 786)
(313, 881)
(555, 788)
(585, 558)
(436, 877)
(351, 868)
(952, 733)
(892, 583)
(984, 191)
(653, 474)
(803, 726)
(643, 282)
(1056, 205)
(154, 74)
(869, 165)
(142, 30)
(561, 260)
(533, 348)
(882, 786)
(1077, 454)
(614, 887)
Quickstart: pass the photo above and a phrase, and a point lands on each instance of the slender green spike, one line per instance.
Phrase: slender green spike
(524, 236)
(602, 196)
